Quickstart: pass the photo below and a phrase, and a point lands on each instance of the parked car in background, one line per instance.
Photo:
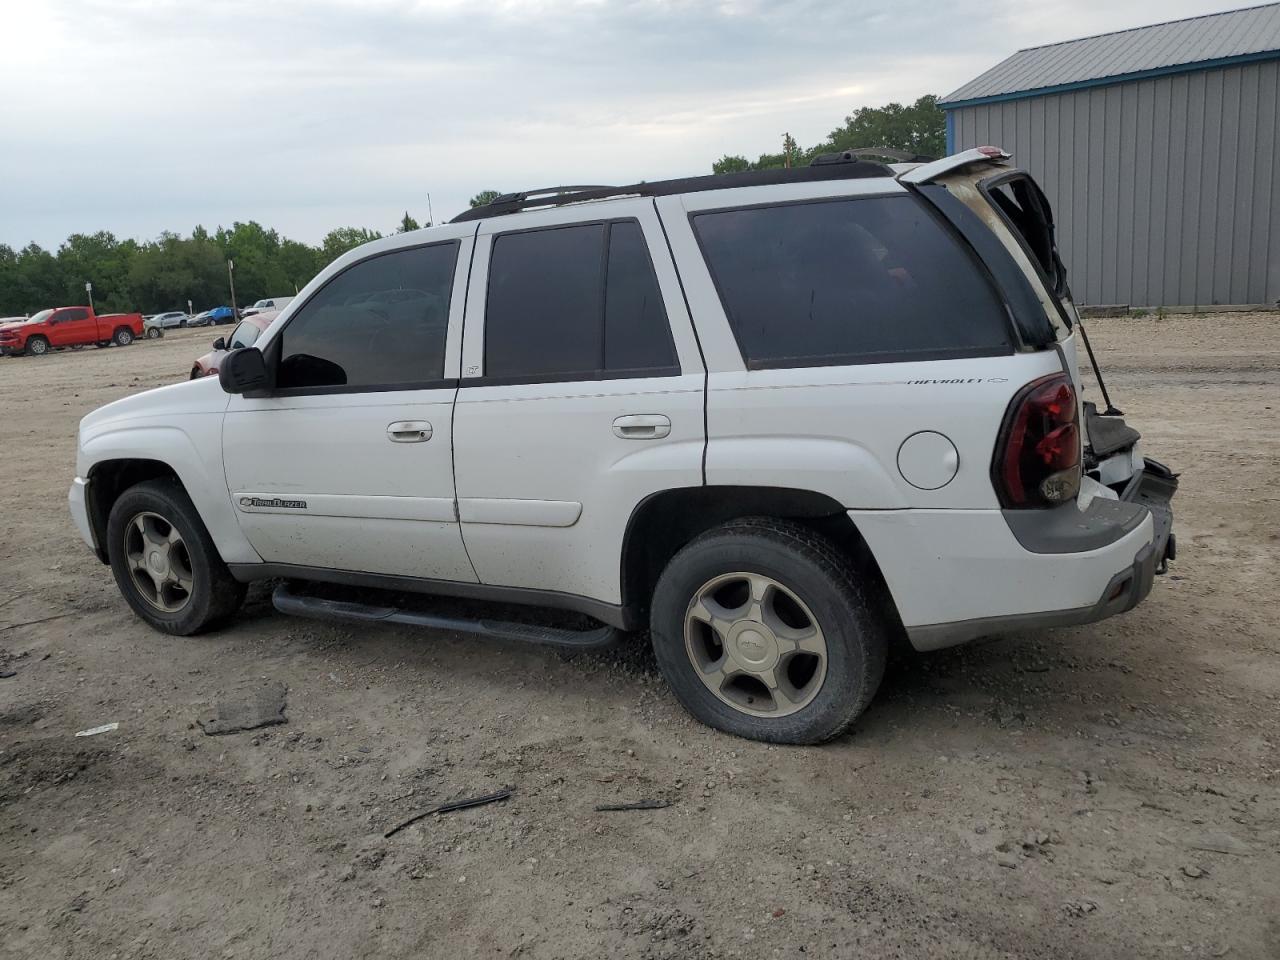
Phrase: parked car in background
(6, 322)
(210, 317)
(245, 335)
(157, 324)
(60, 327)
(269, 303)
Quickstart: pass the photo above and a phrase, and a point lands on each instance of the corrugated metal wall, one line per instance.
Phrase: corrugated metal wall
(1166, 191)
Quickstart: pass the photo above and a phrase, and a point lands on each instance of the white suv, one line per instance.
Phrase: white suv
(777, 418)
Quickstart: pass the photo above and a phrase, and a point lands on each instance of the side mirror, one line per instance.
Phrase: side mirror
(243, 371)
(220, 343)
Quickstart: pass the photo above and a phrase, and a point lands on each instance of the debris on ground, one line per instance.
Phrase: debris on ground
(1079, 908)
(635, 805)
(1216, 841)
(260, 707)
(451, 806)
(94, 731)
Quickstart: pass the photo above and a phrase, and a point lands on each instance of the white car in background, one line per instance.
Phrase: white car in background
(267, 303)
(154, 326)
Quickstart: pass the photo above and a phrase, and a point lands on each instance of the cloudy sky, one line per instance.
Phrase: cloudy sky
(137, 116)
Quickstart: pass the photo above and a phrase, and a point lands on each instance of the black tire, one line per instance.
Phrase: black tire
(104, 343)
(122, 337)
(808, 565)
(153, 333)
(215, 594)
(37, 347)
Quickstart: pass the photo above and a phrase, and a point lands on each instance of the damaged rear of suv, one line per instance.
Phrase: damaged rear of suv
(774, 418)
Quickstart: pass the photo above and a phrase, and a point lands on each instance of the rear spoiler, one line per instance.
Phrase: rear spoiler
(928, 172)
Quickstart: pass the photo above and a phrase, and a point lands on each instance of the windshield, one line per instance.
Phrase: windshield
(42, 315)
(244, 336)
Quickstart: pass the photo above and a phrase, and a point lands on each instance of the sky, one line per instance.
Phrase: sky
(138, 116)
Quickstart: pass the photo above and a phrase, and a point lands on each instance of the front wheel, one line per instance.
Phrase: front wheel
(37, 347)
(123, 337)
(165, 563)
(764, 630)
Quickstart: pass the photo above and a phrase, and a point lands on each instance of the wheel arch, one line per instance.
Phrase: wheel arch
(110, 478)
(663, 523)
(115, 460)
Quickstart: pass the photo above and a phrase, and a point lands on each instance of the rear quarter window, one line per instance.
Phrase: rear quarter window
(867, 280)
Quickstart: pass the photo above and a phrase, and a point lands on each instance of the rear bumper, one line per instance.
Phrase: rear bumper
(957, 575)
(1123, 592)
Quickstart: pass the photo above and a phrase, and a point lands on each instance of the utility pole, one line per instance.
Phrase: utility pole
(231, 278)
(430, 216)
(88, 288)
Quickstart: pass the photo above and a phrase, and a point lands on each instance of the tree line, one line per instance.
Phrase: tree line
(164, 273)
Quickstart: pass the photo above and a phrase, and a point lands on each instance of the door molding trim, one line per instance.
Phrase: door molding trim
(353, 506)
(520, 513)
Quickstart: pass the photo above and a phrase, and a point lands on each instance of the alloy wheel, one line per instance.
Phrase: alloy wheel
(159, 562)
(755, 644)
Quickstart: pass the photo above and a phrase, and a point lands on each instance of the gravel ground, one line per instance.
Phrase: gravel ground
(1104, 791)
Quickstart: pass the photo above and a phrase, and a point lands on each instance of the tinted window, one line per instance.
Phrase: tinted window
(578, 301)
(864, 280)
(379, 323)
(636, 333)
(75, 313)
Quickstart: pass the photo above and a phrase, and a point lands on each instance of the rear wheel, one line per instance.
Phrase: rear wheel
(153, 333)
(123, 336)
(165, 563)
(37, 347)
(764, 630)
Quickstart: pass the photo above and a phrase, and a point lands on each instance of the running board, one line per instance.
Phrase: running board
(288, 602)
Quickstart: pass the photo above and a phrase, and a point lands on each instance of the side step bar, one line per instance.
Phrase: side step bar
(287, 601)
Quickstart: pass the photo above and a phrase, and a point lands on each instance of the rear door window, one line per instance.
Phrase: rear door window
(864, 280)
(575, 303)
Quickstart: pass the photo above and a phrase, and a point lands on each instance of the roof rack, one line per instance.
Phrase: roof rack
(844, 166)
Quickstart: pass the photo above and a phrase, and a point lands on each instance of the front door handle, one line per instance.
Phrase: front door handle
(642, 426)
(409, 431)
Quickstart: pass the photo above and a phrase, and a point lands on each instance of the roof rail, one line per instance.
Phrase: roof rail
(840, 169)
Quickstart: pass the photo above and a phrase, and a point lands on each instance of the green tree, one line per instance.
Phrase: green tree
(919, 128)
(483, 197)
(731, 164)
(337, 242)
(408, 223)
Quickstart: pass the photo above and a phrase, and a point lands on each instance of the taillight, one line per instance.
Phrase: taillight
(1037, 461)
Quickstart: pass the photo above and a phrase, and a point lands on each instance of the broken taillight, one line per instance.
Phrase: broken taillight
(1037, 461)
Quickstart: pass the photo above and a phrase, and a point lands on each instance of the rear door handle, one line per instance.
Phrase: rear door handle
(409, 431)
(642, 426)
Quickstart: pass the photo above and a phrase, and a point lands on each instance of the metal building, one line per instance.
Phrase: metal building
(1159, 148)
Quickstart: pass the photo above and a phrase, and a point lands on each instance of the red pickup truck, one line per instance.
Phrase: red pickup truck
(60, 327)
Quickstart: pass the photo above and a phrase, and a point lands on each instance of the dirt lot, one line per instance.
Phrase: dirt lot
(1106, 791)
